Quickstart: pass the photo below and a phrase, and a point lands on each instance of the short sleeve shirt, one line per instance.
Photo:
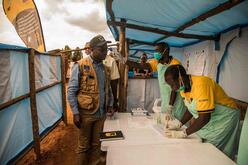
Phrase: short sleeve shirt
(206, 93)
(174, 61)
(153, 63)
(111, 63)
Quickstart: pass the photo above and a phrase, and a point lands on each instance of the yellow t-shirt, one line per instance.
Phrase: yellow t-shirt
(174, 61)
(153, 63)
(206, 93)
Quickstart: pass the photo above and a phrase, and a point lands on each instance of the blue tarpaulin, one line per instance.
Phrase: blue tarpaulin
(15, 120)
(169, 15)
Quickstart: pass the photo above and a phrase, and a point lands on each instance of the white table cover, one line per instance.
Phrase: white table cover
(139, 130)
(167, 154)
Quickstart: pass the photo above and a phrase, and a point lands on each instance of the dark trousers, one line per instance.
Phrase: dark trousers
(89, 146)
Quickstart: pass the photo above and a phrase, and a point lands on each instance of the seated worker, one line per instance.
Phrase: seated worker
(142, 72)
(216, 115)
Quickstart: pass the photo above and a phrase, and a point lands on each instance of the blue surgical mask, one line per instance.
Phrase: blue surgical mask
(157, 55)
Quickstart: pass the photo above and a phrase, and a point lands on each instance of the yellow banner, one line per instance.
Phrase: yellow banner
(25, 18)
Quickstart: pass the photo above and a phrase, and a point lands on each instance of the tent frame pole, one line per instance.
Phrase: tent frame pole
(112, 17)
(33, 105)
(63, 89)
(163, 32)
(122, 93)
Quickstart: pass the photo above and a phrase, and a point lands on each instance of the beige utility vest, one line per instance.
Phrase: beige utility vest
(88, 94)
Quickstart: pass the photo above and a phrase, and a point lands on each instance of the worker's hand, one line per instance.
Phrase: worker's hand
(168, 113)
(77, 120)
(118, 57)
(176, 134)
(174, 124)
(110, 111)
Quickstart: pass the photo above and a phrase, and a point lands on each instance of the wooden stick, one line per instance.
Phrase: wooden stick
(126, 75)
(47, 86)
(63, 89)
(72, 50)
(20, 98)
(164, 32)
(112, 16)
(131, 41)
(33, 106)
(13, 101)
(122, 68)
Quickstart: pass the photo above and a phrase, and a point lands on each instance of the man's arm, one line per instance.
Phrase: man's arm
(173, 97)
(200, 122)
(132, 64)
(186, 117)
(72, 94)
(73, 87)
(118, 57)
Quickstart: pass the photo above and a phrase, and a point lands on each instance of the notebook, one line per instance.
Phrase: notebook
(111, 135)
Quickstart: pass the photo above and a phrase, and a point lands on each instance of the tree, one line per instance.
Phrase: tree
(69, 53)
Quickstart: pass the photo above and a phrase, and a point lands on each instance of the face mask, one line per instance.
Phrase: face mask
(157, 56)
(182, 86)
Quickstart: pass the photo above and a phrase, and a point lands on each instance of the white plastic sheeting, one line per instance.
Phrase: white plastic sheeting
(13, 75)
(203, 59)
(142, 93)
(234, 69)
(47, 70)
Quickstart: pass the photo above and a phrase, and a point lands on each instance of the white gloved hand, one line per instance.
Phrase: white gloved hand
(118, 57)
(176, 134)
(168, 113)
(174, 124)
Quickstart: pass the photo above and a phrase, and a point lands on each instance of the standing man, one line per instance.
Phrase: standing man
(115, 75)
(90, 98)
(87, 49)
(172, 103)
(144, 72)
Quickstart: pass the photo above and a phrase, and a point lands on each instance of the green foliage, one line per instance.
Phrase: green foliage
(68, 54)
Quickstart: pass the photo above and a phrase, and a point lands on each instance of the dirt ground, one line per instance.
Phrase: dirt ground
(58, 147)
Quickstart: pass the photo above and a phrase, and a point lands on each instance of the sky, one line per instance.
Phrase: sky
(64, 22)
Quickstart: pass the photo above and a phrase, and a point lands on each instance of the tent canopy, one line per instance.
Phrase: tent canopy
(179, 22)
